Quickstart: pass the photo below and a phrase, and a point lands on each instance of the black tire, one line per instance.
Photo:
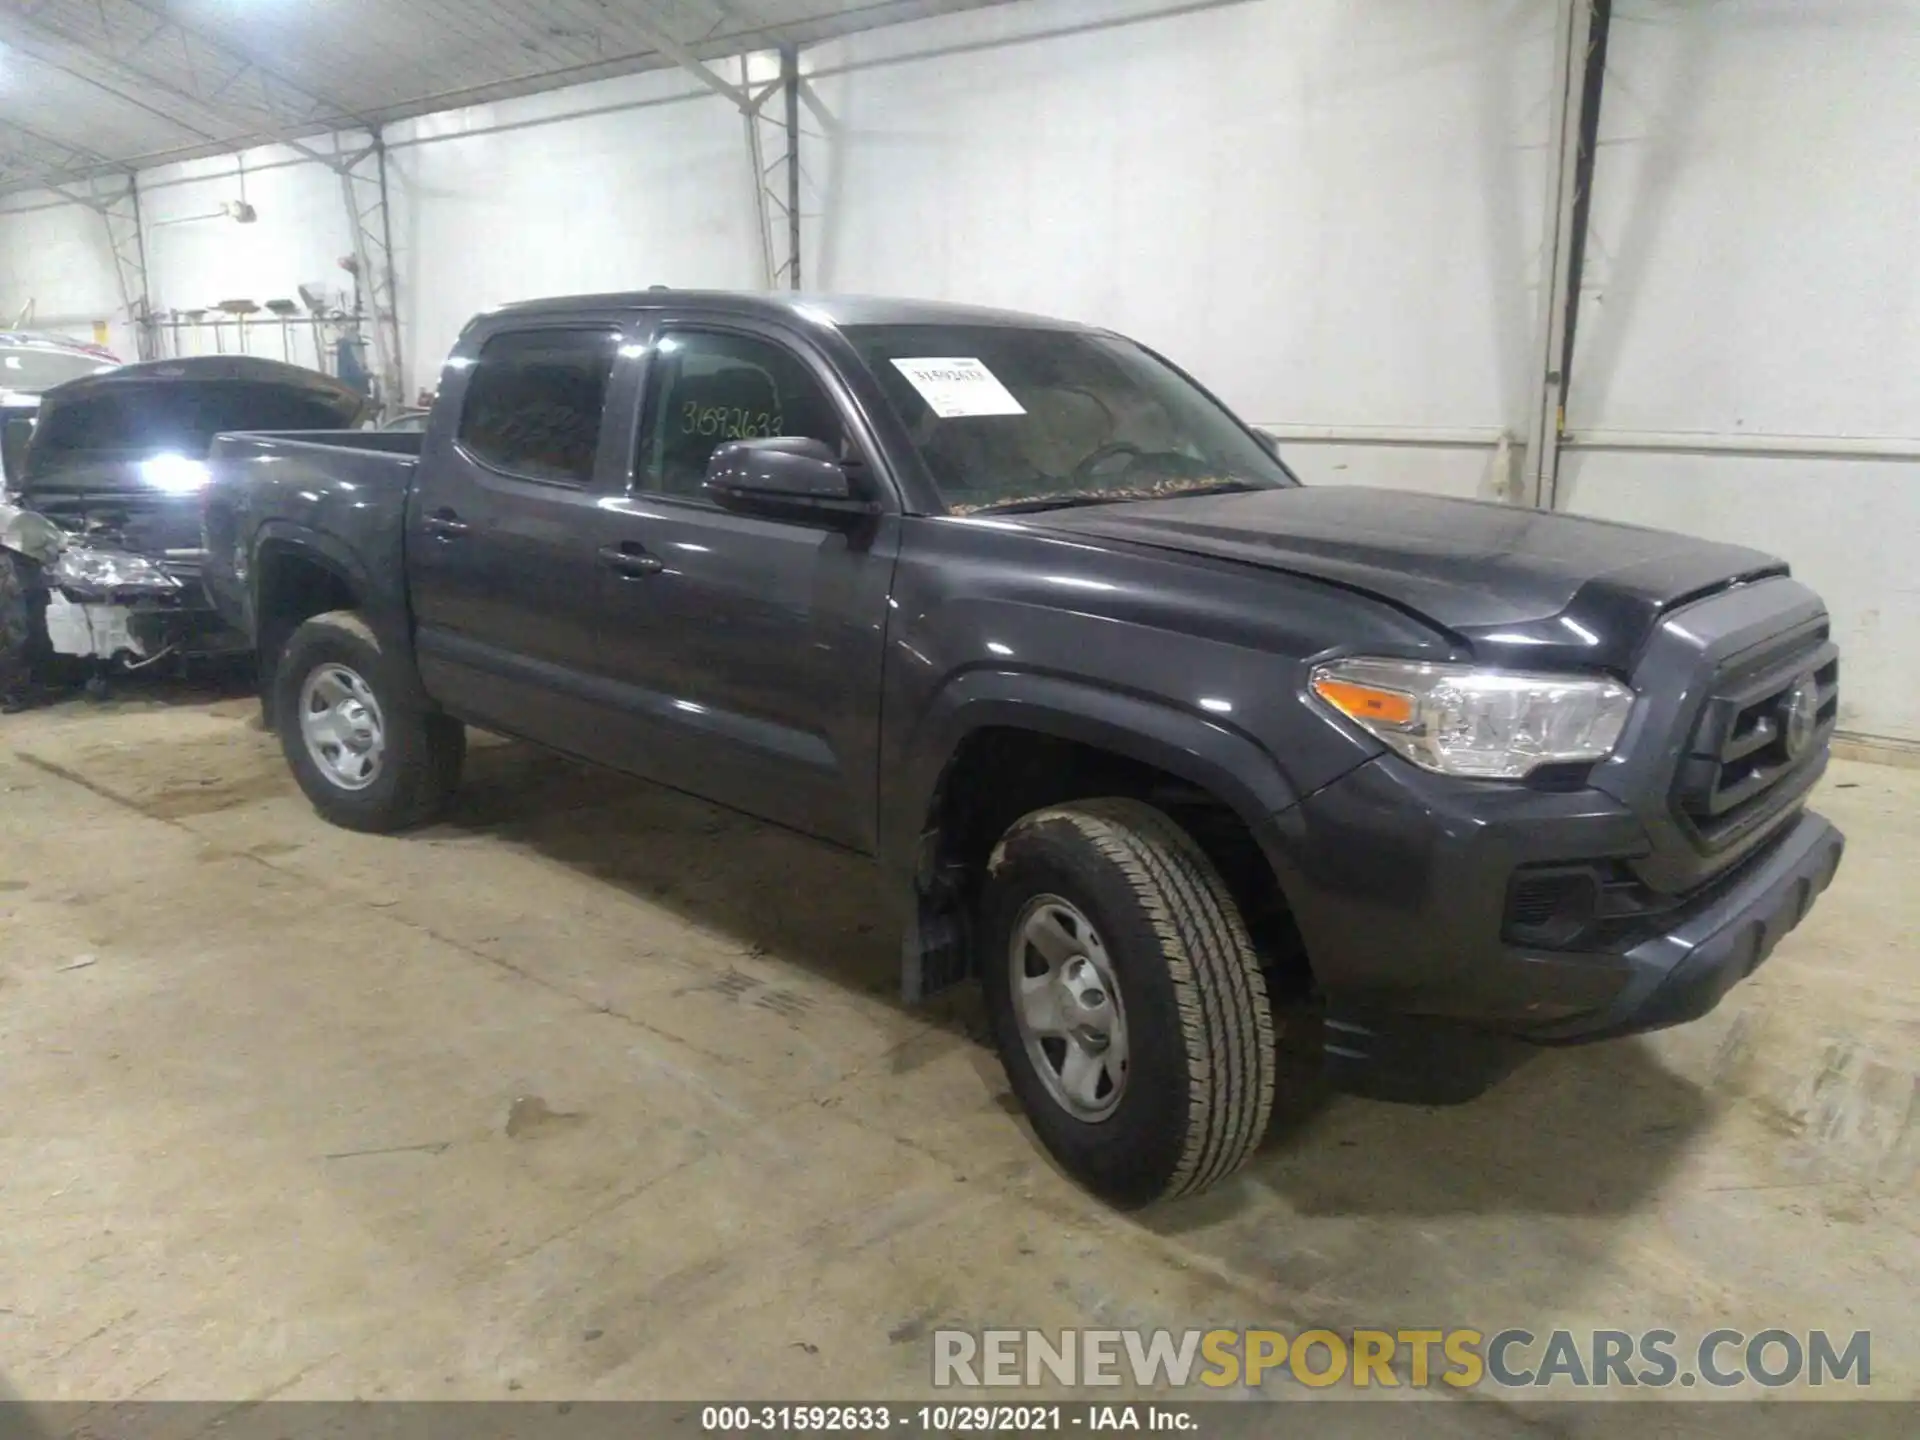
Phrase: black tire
(1200, 1075)
(424, 749)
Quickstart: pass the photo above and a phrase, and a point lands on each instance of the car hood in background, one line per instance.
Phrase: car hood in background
(173, 407)
(1517, 581)
(247, 370)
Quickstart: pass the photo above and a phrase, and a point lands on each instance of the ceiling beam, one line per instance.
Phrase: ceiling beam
(144, 58)
(29, 158)
(186, 60)
(654, 33)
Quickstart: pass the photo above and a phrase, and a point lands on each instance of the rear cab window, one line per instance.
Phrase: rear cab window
(535, 403)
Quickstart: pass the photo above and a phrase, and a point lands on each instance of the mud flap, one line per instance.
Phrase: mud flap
(934, 953)
(1413, 1060)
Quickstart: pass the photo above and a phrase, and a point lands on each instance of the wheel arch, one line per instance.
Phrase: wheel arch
(934, 837)
(298, 572)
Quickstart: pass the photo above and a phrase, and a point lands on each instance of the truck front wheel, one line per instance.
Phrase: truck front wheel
(1126, 1000)
(368, 755)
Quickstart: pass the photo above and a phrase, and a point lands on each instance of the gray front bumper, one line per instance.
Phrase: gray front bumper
(1681, 975)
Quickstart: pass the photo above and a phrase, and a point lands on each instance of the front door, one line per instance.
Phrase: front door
(501, 535)
(750, 648)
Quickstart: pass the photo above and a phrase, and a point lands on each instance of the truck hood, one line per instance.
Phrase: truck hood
(1520, 585)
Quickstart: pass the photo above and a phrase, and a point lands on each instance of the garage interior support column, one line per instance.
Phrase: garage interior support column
(117, 202)
(126, 236)
(1578, 81)
(790, 89)
(773, 149)
(775, 145)
(363, 187)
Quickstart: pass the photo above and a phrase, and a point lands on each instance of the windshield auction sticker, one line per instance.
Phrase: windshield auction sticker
(956, 389)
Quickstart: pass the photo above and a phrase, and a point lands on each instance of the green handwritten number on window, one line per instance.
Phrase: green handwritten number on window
(724, 423)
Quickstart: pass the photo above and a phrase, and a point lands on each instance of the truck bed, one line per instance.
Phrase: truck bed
(342, 491)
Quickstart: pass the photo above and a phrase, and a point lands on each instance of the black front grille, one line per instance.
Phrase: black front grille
(1761, 739)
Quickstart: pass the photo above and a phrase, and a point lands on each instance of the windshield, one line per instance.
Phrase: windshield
(179, 417)
(1009, 419)
(33, 368)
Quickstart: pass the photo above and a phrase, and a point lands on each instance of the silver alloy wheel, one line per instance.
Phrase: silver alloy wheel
(340, 722)
(1066, 1001)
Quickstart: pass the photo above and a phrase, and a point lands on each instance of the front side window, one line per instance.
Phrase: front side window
(1010, 418)
(709, 387)
(534, 403)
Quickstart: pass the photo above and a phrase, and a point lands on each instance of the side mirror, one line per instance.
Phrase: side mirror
(787, 477)
(13, 446)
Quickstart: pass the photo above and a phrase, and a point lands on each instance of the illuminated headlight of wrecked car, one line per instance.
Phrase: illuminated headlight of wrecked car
(175, 474)
(1490, 724)
(81, 567)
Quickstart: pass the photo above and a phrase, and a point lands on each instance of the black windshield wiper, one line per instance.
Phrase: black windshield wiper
(1052, 502)
(1110, 497)
(1224, 487)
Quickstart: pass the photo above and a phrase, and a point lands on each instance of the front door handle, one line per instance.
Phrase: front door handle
(444, 524)
(630, 560)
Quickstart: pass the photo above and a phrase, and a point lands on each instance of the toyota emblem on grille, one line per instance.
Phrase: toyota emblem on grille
(1803, 714)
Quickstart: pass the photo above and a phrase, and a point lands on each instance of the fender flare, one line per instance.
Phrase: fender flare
(1217, 758)
(287, 537)
(935, 949)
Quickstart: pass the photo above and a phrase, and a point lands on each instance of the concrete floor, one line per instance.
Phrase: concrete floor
(594, 1091)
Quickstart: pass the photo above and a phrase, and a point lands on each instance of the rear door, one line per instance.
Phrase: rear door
(747, 650)
(501, 530)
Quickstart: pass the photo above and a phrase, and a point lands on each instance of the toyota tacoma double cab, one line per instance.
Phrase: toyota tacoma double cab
(1151, 739)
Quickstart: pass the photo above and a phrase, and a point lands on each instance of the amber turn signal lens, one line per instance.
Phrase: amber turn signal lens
(1364, 702)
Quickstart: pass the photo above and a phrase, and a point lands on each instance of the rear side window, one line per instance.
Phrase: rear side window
(534, 403)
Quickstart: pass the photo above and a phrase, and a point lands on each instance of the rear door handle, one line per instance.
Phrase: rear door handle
(629, 559)
(445, 525)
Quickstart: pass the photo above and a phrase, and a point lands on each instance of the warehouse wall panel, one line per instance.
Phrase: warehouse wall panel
(1752, 276)
(1329, 210)
(494, 204)
(197, 256)
(57, 257)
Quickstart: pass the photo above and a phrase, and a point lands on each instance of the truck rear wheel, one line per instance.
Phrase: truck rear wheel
(368, 755)
(1126, 1000)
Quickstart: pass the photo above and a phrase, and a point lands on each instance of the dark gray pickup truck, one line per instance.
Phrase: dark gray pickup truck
(1138, 730)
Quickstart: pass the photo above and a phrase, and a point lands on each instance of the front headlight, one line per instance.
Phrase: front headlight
(84, 568)
(175, 474)
(1490, 724)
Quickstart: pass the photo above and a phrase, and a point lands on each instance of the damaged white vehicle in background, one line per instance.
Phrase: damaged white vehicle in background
(100, 540)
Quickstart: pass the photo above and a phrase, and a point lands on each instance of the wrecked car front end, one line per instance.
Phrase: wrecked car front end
(102, 530)
(106, 589)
